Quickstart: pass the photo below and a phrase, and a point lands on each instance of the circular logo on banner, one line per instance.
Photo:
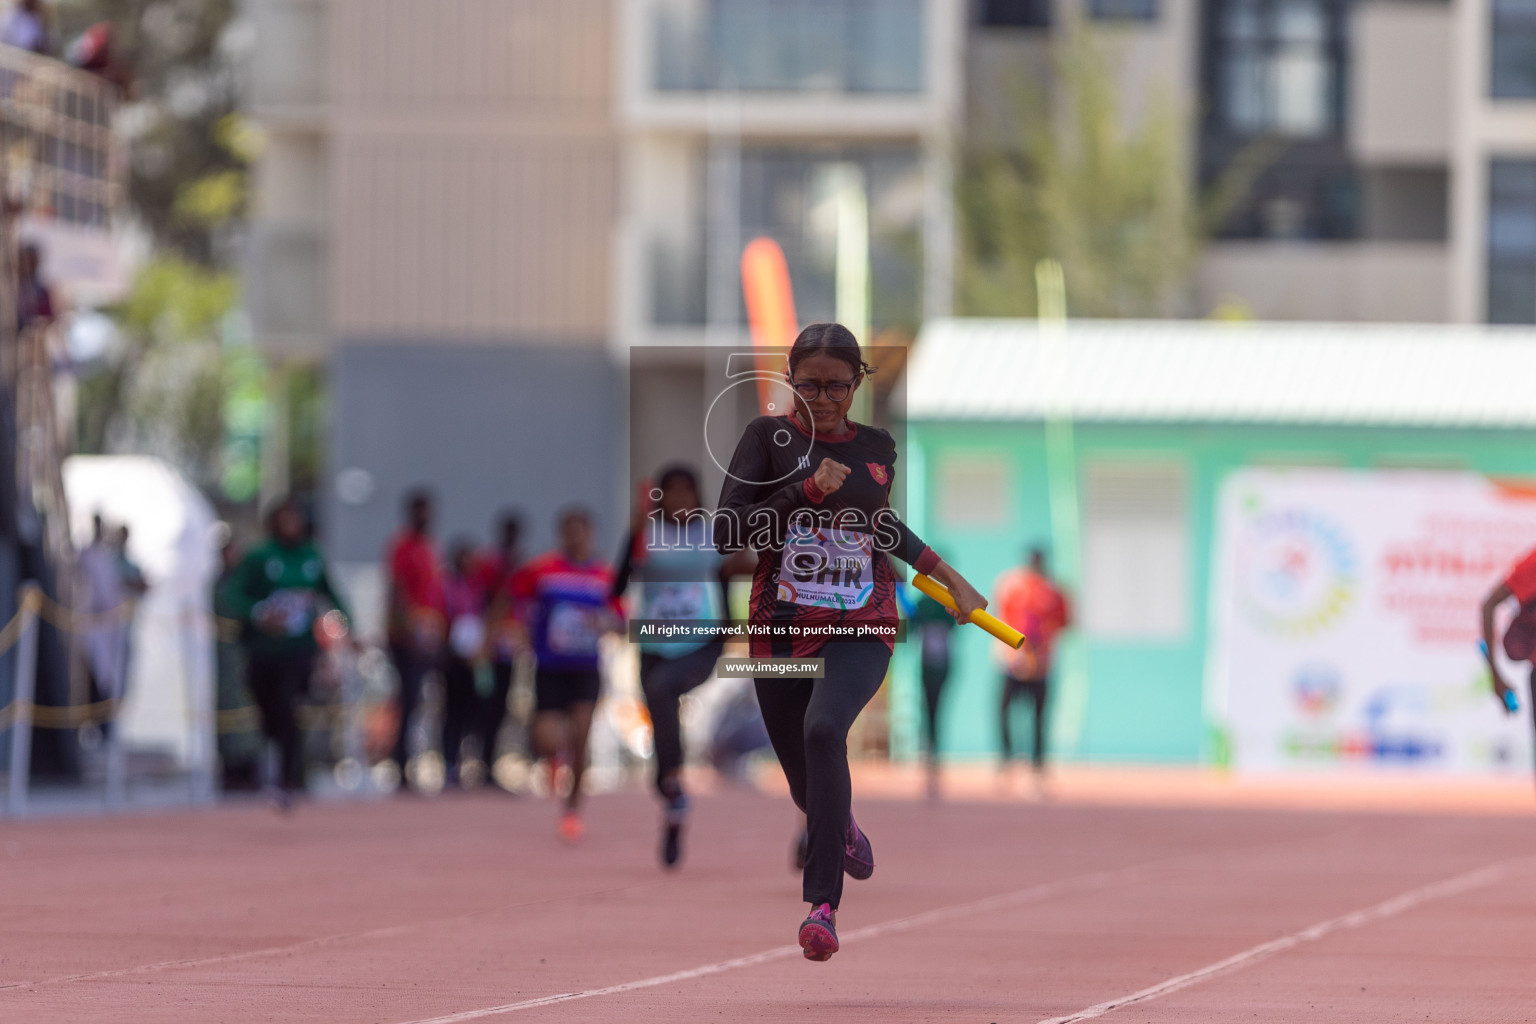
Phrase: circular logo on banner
(1297, 573)
(1316, 689)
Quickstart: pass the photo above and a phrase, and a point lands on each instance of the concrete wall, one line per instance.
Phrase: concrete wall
(1398, 282)
(485, 426)
(1400, 82)
(475, 169)
(287, 71)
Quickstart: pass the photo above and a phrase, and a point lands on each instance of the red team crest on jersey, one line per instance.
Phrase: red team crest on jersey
(877, 471)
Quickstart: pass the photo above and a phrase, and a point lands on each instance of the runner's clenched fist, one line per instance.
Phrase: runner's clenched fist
(829, 476)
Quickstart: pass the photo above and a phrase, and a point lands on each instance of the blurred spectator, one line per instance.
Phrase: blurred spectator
(94, 51)
(34, 300)
(934, 625)
(280, 590)
(239, 750)
(506, 635)
(1028, 601)
(464, 598)
(25, 27)
(106, 602)
(415, 613)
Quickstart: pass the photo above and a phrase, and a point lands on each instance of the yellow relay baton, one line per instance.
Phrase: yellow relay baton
(986, 620)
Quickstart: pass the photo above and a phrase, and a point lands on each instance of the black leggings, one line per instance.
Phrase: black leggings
(461, 709)
(664, 681)
(495, 709)
(1036, 690)
(277, 682)
(808, 722)
(934, 678)
(412, 667)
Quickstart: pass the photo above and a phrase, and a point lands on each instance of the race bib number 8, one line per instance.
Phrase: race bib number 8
(826, 567)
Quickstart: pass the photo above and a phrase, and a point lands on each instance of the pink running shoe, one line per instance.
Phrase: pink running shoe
(818, 933)
(858, 855)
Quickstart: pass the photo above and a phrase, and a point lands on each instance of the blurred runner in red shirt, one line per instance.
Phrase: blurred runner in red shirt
(417, 613)
(1028, 601)
(565, 596)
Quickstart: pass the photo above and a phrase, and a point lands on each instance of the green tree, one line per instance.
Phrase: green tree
(1113, 202)
(162, 389)
(188, 149)
(168, 385)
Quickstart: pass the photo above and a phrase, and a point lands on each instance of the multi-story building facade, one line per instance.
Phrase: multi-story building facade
(471, 212)
(744, 119)
(433, 222)
(1399, 139)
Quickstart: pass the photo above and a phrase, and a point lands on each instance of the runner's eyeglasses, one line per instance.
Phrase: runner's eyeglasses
(836, 390)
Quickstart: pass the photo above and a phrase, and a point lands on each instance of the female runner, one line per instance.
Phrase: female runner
(811, 492)
(683, 579)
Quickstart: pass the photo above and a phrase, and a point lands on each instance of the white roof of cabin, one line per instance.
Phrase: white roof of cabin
(1207, 371)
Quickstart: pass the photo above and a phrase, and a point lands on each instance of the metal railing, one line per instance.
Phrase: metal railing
(63, 161)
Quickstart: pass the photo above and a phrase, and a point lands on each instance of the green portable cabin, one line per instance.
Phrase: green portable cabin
(1136, 425)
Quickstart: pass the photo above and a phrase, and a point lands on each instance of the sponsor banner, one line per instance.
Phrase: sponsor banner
(1346, 608)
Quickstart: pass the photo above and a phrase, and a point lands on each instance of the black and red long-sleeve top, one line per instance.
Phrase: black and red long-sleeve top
(823, 559)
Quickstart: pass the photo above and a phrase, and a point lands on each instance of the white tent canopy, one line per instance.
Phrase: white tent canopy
(172, 539)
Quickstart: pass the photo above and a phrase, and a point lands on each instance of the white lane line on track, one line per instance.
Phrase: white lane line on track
(1390, 908)
(1032, 894)
(294, 947)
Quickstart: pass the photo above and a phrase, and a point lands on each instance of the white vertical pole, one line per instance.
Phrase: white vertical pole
(196, 640)
(939, 247)
(852, 250)
(1061, 473)
(354, 743)
(23, 693)
(117, 766)
(722, 222)
(117, 759)
(851, 287)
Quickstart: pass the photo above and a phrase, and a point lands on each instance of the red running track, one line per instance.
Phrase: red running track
(467, 908)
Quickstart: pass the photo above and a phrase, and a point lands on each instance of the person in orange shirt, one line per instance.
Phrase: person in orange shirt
(1030, 602)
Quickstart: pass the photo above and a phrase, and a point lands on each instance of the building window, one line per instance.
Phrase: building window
(1015, 13)
(1512, 73)
(1279, 66)
(1136, 551)
(1123, 10)
(1277, 69)
(1512, 241)
(853, 46)
(790, 193)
